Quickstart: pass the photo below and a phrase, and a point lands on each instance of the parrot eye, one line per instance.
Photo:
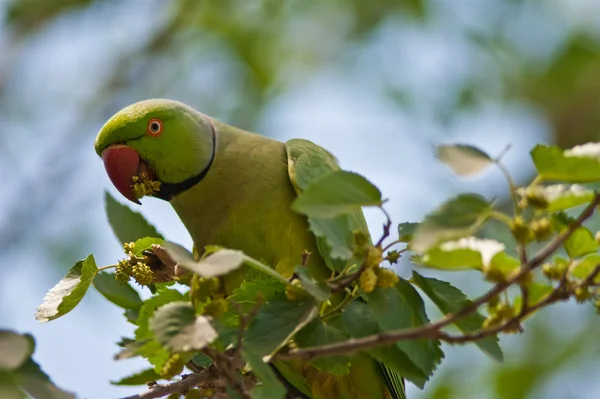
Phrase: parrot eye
(155, 127)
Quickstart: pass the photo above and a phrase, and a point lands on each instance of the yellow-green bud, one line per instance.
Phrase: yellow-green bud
(554, 271)
(494, 273)
(597, 237)
(542, 229)
(123, 271)
(173, 366)
(374, 256)
(128, 247)
(393, 257)
(360, 243)
(174, 396)
(294, 291)
(367, 280)
(386, 278)
(536, 198)
(142, 273)
(520, 229)
(582, 294)
(215, 307)
(143, 186)
(204, 287)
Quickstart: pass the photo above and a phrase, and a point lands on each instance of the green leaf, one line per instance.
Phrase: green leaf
(122, 295)
(37, 384)
(558, 196)
(536, 293)
(318, 290)
(271, 387)
(177, 328)
(406, 231)
(146, 243)
(317, 333)
(151, 349)
(552, 163)
(139, 378)
(336, 193)
(463, 159)
(400, 308)
(336, 232)
(583, 267)
(580, 243)
(458, 217)
(466, 253)
(69, 291)
(275, 322)
(358, 322)
(15, 349)
(127, 225)
(217, 264)
(250, 292)
(450, 299)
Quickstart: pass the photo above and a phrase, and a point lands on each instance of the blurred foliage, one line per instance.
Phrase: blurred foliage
(233, 58)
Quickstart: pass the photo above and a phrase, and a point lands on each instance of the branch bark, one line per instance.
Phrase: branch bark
(433, 330)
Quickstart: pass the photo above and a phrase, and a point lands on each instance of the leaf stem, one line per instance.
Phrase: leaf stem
(107, 267)
(433, 330)
(261, 267)
(501, 217)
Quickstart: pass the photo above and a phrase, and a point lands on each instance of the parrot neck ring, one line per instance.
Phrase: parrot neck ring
(169, 190)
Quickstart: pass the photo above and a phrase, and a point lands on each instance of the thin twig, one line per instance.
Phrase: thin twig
(433, 330)
(191, 381)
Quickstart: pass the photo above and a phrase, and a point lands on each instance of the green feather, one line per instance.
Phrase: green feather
(244, 202)
(308, 162)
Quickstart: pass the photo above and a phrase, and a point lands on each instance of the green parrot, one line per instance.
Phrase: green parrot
(234, 189)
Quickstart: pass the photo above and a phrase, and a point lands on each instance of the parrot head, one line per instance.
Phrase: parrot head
(165, 140)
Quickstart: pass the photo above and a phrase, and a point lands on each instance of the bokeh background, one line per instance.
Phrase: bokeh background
(378, 82)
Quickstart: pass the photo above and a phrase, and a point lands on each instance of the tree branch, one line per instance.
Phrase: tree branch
(205, 377)
(432, 331)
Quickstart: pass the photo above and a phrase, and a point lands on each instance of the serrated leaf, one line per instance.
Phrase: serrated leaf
(15, 349)
(217, 264)
(559, 196)
(37, 384)
(400, 308)
(580, 243)
(358, 322)
(69, 291)
(139, 378)
(466, 253)
(271, 387)
(317, 333)
(336, 193)
(318, 290)
(127, 225)
(177, 328)
(406, 231)
(463, 159)
(274, 324)
(573, 166)
(583, 267)
(122, 295)
(456, 218)
(450, 299)
(536, 293)
(151, 349)
(336, 232)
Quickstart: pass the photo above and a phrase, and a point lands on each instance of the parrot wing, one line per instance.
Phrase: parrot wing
(308, 162)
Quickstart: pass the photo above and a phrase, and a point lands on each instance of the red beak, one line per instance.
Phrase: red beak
(122, 163)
